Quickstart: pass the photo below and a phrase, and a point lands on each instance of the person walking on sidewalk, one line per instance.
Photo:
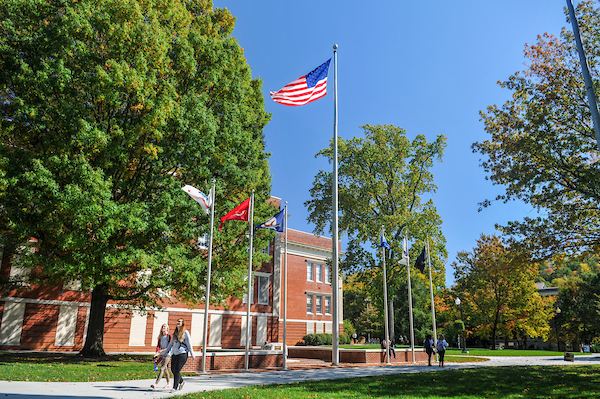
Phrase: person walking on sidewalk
(163, 361)
(440, 347)
(180, 346)
(428, 344)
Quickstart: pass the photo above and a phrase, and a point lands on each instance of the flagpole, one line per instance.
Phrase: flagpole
(249, 297)
(335, 356)
(385, 303)
(410, 305)
(207, 298)
(285, 290)
(589, 84)
(431, 291)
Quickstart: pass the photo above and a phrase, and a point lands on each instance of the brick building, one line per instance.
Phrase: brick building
(55, 318)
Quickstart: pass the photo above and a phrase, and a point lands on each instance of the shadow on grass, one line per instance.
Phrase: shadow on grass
(68, 358)
(496, 382)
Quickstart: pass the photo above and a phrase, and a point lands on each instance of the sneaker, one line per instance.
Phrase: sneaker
(181, 385)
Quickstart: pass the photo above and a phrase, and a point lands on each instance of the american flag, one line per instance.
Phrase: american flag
(306, 89)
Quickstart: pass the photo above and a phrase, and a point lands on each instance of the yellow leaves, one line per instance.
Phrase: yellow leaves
(151, 150)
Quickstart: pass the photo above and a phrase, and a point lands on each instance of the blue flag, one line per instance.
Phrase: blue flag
(383, 243)
(275, 223)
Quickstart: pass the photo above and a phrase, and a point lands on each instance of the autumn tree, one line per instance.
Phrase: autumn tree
(108, 109)
(542, 145)
(496, 284)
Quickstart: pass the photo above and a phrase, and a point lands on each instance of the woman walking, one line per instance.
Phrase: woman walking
(163, 361)
(179, 346)
(440, 347)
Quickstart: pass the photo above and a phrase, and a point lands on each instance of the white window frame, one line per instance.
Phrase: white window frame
(310, 273)
(327, 274)
(327, 300)
(309, 303)
(319, 304)
(267, 249)
(261, 281)
(318, 272)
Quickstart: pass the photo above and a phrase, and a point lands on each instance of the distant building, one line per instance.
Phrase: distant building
(56, 318)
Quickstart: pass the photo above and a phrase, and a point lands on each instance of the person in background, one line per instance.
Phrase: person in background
(428, 345)
(392, 349)
(163, 361)
(180, 346)
(441, 348)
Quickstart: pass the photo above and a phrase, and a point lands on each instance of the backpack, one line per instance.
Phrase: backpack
(427, 344)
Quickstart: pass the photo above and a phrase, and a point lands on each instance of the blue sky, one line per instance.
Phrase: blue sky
(426, 66)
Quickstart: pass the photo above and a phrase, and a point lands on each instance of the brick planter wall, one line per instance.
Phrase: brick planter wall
(236, 360)
(371, 356)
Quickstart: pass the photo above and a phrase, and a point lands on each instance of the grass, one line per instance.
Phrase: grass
(476, 351)
(73, 368)
(493, 383)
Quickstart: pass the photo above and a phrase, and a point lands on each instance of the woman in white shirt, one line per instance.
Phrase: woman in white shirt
(440, 347)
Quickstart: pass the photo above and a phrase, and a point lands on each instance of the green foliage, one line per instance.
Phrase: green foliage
(348, 328)
(496, 285)
(108, 109)
(542, 146)
(317, 339)
(382, 181)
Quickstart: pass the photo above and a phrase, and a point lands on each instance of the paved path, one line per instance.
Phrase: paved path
(209, 382)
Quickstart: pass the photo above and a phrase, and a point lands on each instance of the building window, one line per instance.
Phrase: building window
(318, 304)
(263, 290)
(309, 271)
(327, 305)
(267, 249)
(327, 274)
(319, 272)
(309, 303)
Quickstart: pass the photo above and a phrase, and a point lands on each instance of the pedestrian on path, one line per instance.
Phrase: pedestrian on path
(428, 344)
(163, 361)
(441, 348)
(180, 346)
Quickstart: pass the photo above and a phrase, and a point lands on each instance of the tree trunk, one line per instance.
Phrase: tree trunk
(94, 341)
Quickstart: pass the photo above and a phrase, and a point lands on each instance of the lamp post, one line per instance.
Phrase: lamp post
(464, 339)
(368, 301)
(557, 311)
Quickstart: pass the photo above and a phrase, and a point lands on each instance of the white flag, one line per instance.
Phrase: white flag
(199, 196)
(404, 260)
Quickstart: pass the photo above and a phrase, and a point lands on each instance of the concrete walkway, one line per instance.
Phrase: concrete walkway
(209, 382)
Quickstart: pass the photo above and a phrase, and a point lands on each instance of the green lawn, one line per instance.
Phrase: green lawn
(494, 383)
(73, 368)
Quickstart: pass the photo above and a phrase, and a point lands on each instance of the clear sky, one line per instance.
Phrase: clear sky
(426, 66)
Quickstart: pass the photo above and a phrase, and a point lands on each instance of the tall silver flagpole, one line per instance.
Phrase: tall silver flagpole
(285, 290)
(385, 303)
(431, 292)
(589, 85)
(249, 297)
(207, 298)
(335, 355)
(410, 305)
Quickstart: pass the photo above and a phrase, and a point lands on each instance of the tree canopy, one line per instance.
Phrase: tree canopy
(542, 145)
(496, 284)
(385, 179)
(108, 109)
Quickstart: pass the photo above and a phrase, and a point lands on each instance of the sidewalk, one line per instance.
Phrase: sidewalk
(210, 382)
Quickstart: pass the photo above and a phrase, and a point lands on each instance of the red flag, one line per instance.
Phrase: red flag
(240, 212)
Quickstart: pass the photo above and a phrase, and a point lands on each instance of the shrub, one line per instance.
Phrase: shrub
(317, 339)
(345, 339)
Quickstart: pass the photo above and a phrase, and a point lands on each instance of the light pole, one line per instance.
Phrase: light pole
(557, 311)
(464, 339)
(368, 301)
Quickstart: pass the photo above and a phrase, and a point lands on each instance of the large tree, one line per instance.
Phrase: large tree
(385, 179)
(108, 108)
(496, 284)
(542, 145)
